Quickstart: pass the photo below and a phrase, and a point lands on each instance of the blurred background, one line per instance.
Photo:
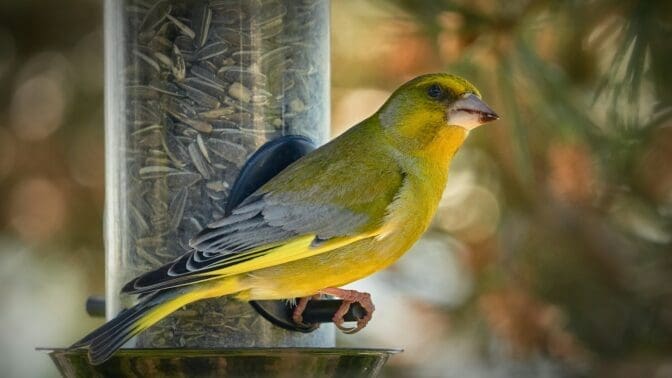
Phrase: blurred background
(551, 252)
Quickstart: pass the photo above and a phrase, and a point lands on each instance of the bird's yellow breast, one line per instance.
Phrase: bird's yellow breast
(408, 216)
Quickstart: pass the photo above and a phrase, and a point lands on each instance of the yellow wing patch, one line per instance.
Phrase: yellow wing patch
(228, 286)
(295, 249)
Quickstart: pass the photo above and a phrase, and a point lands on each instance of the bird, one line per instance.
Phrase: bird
(340, 213)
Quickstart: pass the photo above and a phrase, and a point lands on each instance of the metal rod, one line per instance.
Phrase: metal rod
(323, 310)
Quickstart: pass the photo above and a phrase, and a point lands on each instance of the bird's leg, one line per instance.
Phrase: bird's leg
(349, 297)
(297, 314)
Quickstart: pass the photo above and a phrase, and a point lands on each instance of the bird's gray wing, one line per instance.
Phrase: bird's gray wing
(278, 213)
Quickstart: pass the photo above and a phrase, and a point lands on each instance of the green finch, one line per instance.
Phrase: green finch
(348, 209)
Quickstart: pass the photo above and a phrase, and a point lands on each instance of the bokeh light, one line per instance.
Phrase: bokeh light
(39, 102)
(37, 209)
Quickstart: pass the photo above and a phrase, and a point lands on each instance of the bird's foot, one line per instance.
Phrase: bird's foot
(349, 297)
(297, 314)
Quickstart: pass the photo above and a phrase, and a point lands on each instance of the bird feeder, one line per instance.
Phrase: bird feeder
(193, 89)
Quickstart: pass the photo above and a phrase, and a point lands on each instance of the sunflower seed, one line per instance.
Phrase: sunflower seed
(155, 15)
(201, 97)
(212, 50)
(218, 113)
(145, 58)
(217, 186)
(201, 147)
(198, 125)
(202, 71)
(233, 37)
(213, 89)
(155, 171)
(240, 92)
(244, 57)
(157, 161)
(177, 206)
(243, 75)
(163, 59)
(178, 67)
(147, 129)
(138, 218)
(275, 56)
(183, 28)
(202, 19)
(229, 151)
(182, 179)
(166, 88)
(184, 43)
(215, 195)
(160, 44)
(198, 161)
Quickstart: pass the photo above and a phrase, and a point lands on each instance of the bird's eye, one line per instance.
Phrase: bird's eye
(435, 91)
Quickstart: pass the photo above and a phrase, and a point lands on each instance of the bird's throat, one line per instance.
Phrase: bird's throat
(444, 143)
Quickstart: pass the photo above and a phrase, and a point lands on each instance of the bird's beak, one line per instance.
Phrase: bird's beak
(470, 112)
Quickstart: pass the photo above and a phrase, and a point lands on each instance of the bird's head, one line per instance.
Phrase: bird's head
(429, 103)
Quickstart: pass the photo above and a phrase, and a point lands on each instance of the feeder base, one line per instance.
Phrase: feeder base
(250, 362)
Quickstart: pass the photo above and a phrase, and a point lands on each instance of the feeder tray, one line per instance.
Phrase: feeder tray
(253, 362)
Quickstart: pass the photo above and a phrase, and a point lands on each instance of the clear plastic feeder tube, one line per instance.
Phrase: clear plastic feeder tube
(192, 89)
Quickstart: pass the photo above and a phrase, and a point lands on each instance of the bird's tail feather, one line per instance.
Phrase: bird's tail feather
(105, 340)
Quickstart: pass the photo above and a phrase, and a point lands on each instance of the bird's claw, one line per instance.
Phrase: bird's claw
(349, 297)
(297, 314)
(347, 330)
